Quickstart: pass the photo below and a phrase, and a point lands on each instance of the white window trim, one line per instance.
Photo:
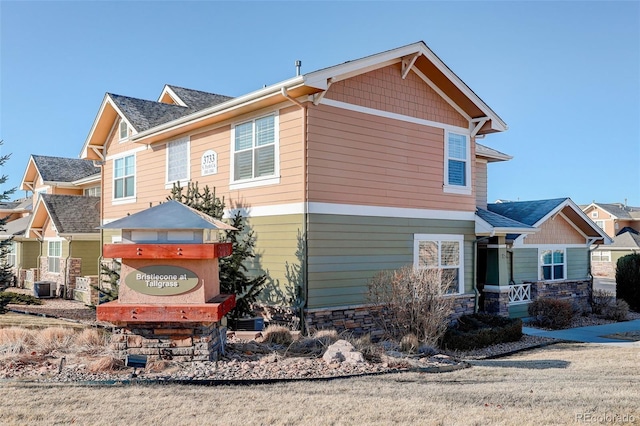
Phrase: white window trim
(49, 241)
(261, 181)
(11, 257)
(564, 266)
(169, 183)
(124, 200)
(441, 237)
(601, 254)
(594, 214)
(457, 189)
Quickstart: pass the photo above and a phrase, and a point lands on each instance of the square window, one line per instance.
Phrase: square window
(552, 264)
(443, 252)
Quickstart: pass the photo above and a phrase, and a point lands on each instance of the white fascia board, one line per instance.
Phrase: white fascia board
(88, 179)
(348, 69)
(275, 89)
(24, 175)
(484, 228)
(83, 153)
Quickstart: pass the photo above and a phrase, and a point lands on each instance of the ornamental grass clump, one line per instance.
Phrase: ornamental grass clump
(278, 335)
(412, 301)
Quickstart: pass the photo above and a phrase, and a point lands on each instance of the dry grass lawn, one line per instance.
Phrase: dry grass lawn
(560, 384)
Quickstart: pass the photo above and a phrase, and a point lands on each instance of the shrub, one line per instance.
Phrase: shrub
(628, 280)
(409, 343)
(412, 302)
(617, 311)
(481, 330)
(7, 297)
(551, 313)
(277, 334)
(601, 301)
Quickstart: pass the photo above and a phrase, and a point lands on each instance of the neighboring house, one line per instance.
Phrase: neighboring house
(17, 214)
(614, 217)
(56, 176)
(622, 223)
(551, 262)
(67, 228)
(367, 165)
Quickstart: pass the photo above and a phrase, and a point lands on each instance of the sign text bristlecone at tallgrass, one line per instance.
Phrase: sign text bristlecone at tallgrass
(161, 280)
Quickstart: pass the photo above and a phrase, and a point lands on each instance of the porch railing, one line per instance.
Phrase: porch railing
(519, 293)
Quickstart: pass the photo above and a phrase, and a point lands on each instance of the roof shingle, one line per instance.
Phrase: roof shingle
(73, 214)
(60, 169)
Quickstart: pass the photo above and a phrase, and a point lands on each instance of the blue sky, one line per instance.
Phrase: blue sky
(565, 76)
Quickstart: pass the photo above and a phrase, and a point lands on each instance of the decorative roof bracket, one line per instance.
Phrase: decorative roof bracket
(479, 123)
(317, 97)
(407, 64)
(98, 150)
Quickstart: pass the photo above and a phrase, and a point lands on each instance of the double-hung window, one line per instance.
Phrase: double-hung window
(457, 165)
(94, 191)
(443, 252)
(177, 161)
(54, 254)
(552, 264)
(124, 177)
(255, 150)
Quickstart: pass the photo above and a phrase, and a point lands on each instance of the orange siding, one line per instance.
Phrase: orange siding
(151, 165)
(556, 231)
(357, 158)
(384, 89)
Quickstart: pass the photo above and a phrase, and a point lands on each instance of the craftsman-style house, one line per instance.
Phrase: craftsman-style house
(342, 172)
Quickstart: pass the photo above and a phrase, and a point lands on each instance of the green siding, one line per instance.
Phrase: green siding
(525, 264)
(577, 263)
(345, 252)
(280, 255)
(89, 252)
(28, 252)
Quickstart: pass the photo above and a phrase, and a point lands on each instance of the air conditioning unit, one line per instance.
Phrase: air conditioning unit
(44, 289)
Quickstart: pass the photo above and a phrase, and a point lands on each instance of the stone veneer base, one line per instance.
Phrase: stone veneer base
(360, 320)
(183, 342)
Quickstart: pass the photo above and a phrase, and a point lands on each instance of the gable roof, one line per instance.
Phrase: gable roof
(70, 214)
(490, 154)
(618, 210)
(627, 239)
(15, 228)
(168, 215)
(195, 109)
(57, 170)
(535, 213)
(195, 99)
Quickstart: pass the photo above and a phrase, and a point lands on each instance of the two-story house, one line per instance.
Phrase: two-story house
(342, 172)
(60, 240)
(622, 223)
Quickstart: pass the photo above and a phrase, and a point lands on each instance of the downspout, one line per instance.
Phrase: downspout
(65, 279)
(476, 301)
(304, 291)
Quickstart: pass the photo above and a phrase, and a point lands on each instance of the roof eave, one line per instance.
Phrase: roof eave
(273, 90)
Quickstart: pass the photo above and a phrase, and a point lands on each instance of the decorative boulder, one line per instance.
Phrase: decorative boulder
(342, 351)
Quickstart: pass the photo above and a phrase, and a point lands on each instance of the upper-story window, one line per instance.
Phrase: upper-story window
(255, 150)
(94, 191)
(457, 167)
(124, 177)
(123, 130)
(177, 161)
(594, 214)
(600, 224)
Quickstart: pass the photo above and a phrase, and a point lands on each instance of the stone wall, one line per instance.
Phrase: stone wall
(85, 291)
(361, 320)
(579, 292)
(496, 300)
(603, 269)
(170, 341)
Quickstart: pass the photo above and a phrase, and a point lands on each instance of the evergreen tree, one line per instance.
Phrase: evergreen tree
(234, 275)
(7, 276)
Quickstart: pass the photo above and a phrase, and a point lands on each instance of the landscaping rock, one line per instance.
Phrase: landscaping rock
(342, 351)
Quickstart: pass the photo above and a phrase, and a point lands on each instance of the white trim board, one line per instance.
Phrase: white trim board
(394, 116)
(355, 210)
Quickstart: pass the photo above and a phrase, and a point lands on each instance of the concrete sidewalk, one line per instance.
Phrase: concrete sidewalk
(591, 334)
